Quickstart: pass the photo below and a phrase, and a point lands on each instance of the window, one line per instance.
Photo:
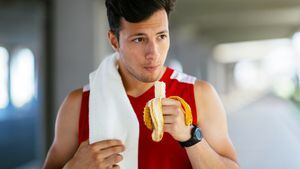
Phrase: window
(246, 74)
(22, 77)
(296, 42)
(3, 78)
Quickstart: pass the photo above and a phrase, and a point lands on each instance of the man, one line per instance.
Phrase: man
(139, 33)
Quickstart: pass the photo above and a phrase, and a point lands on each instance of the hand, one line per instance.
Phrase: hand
(99, 155)
(174, 120)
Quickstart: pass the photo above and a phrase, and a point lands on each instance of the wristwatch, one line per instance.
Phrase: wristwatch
(196, 137)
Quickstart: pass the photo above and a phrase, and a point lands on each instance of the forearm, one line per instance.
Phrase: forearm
(68, 165)
(54, 165)
(202, 156)
(56, 161)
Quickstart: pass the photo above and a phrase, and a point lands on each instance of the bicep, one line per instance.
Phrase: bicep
(65, 141)
(212, 119)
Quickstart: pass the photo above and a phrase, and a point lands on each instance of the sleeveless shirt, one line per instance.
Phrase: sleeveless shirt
(166, 154)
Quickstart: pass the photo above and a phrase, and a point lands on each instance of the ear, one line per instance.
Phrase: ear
(113, 41)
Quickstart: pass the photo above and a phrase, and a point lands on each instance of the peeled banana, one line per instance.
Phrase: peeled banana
(153, 115)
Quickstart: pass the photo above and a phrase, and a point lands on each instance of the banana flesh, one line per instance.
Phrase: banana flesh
(153, 115)
(159, 89)
(157, 119)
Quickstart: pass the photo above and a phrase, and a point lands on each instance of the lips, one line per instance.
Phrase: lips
(151, 68)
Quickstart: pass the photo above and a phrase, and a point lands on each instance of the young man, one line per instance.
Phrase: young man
(139, 33)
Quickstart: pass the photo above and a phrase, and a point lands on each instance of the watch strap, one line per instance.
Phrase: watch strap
(194, 139)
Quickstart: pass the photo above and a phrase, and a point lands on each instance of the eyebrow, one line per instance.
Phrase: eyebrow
(161, 32)
(143, 34)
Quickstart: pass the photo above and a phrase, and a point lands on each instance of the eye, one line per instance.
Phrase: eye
(162, 36)
(138, 40)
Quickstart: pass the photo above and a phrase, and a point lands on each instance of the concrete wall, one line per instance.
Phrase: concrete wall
(22, 26)
(193, 51)
(79, 43)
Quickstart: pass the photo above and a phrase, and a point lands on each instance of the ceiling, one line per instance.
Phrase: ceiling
(220, 20)
(238, 20)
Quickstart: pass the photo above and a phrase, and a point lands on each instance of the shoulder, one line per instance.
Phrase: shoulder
(204, 93)
(73, 97)
(204, 89)
(70, 107)
(68, 114)
(65, 141)
(209, 105)
(71, 103)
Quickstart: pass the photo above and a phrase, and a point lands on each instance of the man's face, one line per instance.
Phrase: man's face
(143, 46)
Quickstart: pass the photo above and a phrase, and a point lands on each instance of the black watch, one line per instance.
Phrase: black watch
(196, 137)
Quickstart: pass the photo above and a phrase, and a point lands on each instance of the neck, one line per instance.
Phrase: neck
(133, 86)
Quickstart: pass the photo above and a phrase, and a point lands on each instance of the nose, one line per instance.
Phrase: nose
(151, 50)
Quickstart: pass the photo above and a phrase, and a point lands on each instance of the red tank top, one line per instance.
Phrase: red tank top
(166, 154)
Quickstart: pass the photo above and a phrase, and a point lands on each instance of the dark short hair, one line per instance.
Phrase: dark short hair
(134, 11)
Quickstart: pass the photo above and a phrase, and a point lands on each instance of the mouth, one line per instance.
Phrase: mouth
(151, 68)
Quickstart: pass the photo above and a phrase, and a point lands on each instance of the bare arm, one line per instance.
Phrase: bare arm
(215, 151)
(65, 141)
(65, 151)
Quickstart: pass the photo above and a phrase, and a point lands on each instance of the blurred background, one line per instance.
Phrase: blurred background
(249, 50)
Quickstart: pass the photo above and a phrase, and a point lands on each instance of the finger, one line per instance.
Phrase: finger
(169, 119)
(170, 102)
(111, 151)
(106, 143)
(168, 128)
(112, 160)
(116, 166)
(169, 110)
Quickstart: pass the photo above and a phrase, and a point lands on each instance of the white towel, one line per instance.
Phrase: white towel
(111, 115)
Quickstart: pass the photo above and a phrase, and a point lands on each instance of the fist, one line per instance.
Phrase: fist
(99, 155)
(174, 120)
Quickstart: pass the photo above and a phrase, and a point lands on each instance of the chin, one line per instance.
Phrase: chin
(149, 78)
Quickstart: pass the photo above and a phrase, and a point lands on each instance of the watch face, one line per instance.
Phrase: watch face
(198, 134)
